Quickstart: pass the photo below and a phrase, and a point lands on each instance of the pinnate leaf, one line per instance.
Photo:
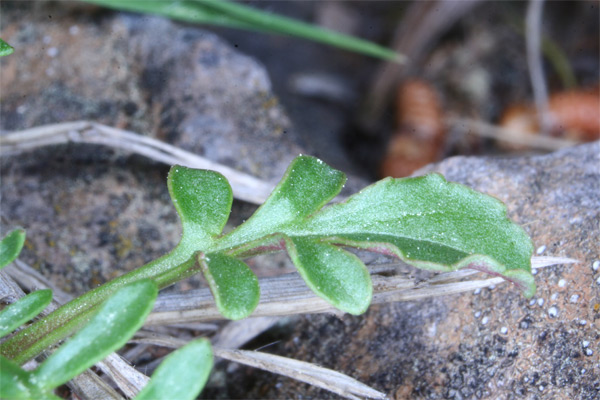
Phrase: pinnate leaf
(307, 185)
(233, 284)
(10, 246)
(23, 310)
(426, 221)
(202, 200)
(182, 375)
(431, 224)
(334, 274)
(116, 321)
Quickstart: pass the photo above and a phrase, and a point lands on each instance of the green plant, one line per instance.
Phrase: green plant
(5, 48)
(115, 322)
(426, 221)
(234, 15)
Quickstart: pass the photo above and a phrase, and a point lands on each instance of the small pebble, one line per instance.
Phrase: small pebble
(504, 330)
(582, 322)
(562, 283)
(596, 265)
(553, 312)
(534, 271)
(585, 343)
(541, 387)
(554, 296)
(532, 302)
(540, 250)
(492, 287)
(484, 320)
(477, 291)
(52, 52)
(598, 280)
(589, 352)
(73, 30)
(477, 314)
(583, 371)
(540, 302)
(574, 298)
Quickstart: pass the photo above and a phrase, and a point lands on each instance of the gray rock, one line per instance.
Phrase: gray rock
(146, 74)
(493, 344)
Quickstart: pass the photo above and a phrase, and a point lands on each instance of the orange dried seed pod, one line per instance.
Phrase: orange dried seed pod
(420, 130)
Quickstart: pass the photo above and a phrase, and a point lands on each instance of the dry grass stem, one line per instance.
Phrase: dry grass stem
(534, 61)
(302, 371)
(287, 294)
(89, 386)
(245, 187)
(237, 333)
(485, 129)
(127, 378)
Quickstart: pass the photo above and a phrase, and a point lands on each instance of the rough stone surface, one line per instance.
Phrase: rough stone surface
(494, 344)
(146, 74)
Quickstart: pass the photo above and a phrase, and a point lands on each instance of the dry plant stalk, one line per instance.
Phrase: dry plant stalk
(245, 187)
(510, 136)
(287, 294)
(303, 371)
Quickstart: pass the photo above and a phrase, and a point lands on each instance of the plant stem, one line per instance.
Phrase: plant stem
(31, 341)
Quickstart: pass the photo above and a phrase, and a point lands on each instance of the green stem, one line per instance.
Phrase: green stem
(288, 26)
(31, 341)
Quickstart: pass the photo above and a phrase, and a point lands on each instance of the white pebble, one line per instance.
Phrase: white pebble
(532, 302)
(585, 343)
(477, 291)
(73, 30)
(583, 371)
(589, 352)
(540, 250)
(52, 52)
(504, 330)
(534, 271)
(574, 298)
(582, 322)
(553, 312)
(477, 314)
(596, 265)
(484, 320)
(492, 287)
(598, 280)
(554, 296)
(562, 283)
(540, 302)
